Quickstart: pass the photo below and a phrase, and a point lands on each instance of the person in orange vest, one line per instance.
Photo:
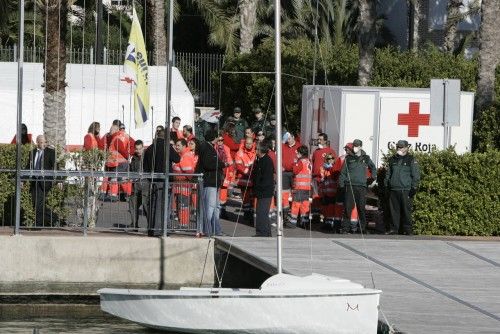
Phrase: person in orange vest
(224, 154)
(302, 177)
(119, 152)
(318, 159)
(244, 163)
(92, 140)
(187, 132)
(327, 189)
(289, 157)
(176, 123)
(248, 134)
(182, 186)
(26, 138)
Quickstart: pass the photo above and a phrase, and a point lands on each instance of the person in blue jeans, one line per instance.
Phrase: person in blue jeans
(211, 165)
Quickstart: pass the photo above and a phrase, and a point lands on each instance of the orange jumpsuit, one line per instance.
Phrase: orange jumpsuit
(302, 176)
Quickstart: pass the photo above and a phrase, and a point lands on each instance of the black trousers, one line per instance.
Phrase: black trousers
(43, 215)
(354, 196)
(400, 206)
(156, 209)
(262, 226)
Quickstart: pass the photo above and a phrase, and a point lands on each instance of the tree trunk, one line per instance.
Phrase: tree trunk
(54, 97)
(489, 44)
(415, 16)
(156, 33)
(248, 22)
(451, 26)
(366, 40)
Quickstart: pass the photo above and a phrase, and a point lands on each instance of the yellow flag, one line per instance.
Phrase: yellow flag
(136, 71)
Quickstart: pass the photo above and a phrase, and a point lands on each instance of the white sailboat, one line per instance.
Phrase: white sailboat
(283, 304)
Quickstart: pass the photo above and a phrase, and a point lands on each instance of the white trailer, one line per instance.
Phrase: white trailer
(379, 117)
(93, 93)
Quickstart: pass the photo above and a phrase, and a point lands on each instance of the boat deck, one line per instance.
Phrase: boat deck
(429, 286)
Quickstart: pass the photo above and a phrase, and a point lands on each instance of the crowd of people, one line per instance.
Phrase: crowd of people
(242, 156)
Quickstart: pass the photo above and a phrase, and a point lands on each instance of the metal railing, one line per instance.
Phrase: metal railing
(197, 69)
(78, 202)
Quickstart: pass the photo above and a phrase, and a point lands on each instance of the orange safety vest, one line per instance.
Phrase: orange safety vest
(229, 169)
(185, 166)
(119, 142)
(328, 185)
(302, 180)
(244, 160)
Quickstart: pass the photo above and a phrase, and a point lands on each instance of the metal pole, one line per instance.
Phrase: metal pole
(166, 211)
(445, 119)
(279, 163)
(19, 115)
(98, 38)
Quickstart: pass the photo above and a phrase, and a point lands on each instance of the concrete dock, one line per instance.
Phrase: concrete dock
(429, 286)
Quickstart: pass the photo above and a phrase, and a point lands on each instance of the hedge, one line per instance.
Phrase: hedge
(392, 68)
(61, 200)
(458, 194)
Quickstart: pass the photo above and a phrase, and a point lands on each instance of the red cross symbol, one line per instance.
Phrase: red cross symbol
(414, 119)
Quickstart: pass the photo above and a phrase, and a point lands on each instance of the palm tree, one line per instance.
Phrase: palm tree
(415, 16)
(155, 31)
(489, 44)
(453, 18)
(54, 13)
(248, 23)
(366, 40)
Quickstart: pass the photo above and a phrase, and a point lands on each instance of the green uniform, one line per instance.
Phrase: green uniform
(239, 126)
(200, 129)
(402, 179)
(259, 125)
(354, 170)
(354, 176)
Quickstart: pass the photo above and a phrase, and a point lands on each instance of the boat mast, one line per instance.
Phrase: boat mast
(279, 162)
(166, 211)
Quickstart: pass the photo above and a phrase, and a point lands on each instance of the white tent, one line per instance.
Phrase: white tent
(93, 93)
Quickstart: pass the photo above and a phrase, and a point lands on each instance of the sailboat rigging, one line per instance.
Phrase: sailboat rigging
(326, 304)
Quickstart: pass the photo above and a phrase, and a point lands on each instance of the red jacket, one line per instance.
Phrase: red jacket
(229, 142)
(318, 158)
(289, 156)
(119, 149)
(90, 141)
(244, 161)
(30, 139)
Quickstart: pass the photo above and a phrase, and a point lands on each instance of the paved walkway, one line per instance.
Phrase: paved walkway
(429, 286)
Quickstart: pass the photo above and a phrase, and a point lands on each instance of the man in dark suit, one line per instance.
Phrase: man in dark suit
(42, 158)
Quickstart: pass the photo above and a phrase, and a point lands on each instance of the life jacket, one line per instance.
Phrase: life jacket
(244, 160)
(118, 149)
(185, 166)
(302, 177)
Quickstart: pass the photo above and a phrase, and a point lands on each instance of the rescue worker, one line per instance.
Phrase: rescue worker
(353, 179)
(119, 153)
(402, 179)
(240, 125)
(182, 185)
(302, 177)
(224, 154)
(327, 189)
(176, 123)
(187, 132)
(92, 140)
(244, 163)
(260, 124)
(249, 133)
(200, 125)
(289, 156)
(318, 159)
(229, 138)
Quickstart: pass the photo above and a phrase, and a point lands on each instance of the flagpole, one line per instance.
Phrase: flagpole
(166, 212)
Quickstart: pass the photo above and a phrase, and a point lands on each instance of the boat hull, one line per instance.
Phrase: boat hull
(211, 311)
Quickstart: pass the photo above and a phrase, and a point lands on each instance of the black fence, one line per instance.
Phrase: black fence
(197, 69)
